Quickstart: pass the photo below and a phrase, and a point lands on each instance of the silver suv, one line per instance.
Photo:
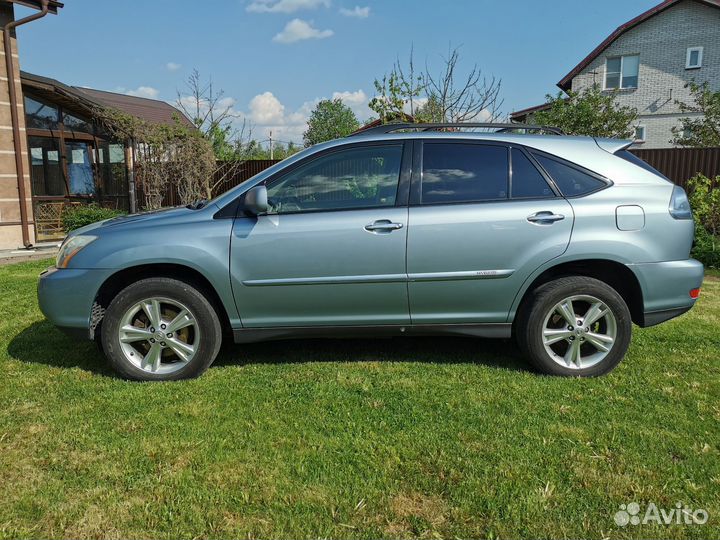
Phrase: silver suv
(561, 242)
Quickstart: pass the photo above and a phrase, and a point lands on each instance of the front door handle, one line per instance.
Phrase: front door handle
(383, 225)
(545, 217)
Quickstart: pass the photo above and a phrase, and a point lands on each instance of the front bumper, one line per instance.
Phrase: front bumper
(666, 288)
(66, 297)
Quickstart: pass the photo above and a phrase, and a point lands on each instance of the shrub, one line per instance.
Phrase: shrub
(707, 247)
(704, 195)
(79, 216)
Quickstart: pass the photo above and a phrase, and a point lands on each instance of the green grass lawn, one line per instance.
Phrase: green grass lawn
(355, 439)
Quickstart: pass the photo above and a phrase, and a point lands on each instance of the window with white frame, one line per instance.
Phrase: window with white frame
(693, 59)
(622, 72)
(639, 134)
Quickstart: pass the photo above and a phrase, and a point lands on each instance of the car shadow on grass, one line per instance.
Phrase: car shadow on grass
(42, 343)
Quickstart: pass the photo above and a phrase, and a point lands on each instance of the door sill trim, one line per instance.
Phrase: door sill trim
(482, 330)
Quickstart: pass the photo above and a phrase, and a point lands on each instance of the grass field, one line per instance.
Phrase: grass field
(397, 438)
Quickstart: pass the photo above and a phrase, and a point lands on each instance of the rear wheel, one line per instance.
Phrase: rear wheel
(160, 329)
(574, 326)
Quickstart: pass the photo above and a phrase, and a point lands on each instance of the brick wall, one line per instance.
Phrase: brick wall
(662, 42)
(10, 231)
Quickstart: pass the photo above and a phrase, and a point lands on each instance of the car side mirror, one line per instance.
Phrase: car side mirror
(256, 200)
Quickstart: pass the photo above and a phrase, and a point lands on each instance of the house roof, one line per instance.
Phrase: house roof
(378, 122)
(150, 110)
(524, 112)
(566, 82)
(53, 5)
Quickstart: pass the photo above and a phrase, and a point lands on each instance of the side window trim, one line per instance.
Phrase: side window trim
(406, 169)
(510, 172)
(605, 181)
(417, 173)
(542, 172)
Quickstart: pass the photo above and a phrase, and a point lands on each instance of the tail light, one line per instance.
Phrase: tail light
(679, 204)
(694, 293)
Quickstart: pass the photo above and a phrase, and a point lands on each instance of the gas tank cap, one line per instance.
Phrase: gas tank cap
(630, 217)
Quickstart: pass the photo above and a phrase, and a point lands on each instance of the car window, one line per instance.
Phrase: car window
(570, 181)
(360, 177)
(635, 160)
(455, 172)
(527, 182)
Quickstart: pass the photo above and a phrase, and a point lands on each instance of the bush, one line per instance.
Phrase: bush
(79, 216)
(704, 195)
(707, 247)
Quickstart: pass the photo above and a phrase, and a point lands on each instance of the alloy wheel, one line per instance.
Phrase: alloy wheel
(579, 331)
(159, 335)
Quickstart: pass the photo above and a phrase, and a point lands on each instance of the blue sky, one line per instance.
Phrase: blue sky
(276, 58)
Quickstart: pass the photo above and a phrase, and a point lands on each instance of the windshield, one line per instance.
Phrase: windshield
(228, 196)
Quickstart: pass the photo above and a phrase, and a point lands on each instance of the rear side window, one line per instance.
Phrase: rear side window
(455, 173)
(527, 182)
(570, 181)
(632, 158)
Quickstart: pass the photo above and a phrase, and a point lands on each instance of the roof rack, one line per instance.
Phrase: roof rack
(501, 128)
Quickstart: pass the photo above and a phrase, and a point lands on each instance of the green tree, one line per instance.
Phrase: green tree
(591, 111)
(219, 138)
(699, 131)
(331, 119)
(430, 111)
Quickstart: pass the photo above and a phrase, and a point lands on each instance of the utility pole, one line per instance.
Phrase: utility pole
(272, 148)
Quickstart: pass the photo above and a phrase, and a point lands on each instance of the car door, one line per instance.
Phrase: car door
(331, 251)
(482, 217)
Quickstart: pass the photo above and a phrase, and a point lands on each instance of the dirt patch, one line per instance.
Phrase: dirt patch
(416, 510)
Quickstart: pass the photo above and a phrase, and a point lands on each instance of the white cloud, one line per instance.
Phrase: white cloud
(266, 109)
(285, 6)
(172, 66)
(357, 11)
(298, 30)
(357, 101)
(267, 113)
(144, 91)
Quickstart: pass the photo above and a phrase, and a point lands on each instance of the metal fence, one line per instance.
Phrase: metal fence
(681, 164)
(227, 176)
(678, 164)
(232, 173)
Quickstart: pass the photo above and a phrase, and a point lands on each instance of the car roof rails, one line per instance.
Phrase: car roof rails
(500, 127)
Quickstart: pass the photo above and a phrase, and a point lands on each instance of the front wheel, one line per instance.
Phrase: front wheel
(574, 326)
(160, 329)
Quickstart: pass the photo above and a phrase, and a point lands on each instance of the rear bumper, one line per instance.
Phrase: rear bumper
(666, 288)
(66, 297)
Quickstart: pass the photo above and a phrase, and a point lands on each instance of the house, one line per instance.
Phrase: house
(54, 151)
(73, 158)
(649, 61)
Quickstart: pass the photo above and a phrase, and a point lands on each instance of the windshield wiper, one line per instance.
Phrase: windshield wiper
(197, 205)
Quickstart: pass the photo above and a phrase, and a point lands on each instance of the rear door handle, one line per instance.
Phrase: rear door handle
(545, 217)
(383, 225)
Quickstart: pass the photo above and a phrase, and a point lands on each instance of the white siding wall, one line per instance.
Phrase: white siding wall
(662, 42)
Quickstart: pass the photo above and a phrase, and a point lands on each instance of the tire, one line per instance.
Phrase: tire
(556, 347)
(185, 346)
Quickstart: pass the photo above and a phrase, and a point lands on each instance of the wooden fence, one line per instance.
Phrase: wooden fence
(681, 164)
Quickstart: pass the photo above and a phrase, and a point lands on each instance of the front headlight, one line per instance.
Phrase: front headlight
(71, 247)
